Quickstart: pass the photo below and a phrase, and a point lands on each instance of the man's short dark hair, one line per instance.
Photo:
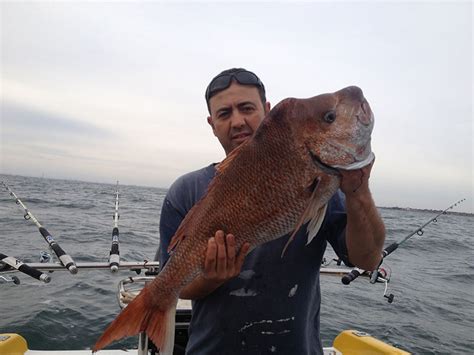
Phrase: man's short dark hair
(232, 75)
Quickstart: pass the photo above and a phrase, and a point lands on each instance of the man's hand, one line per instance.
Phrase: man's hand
(356, 181)
(365, 231)
(222, 260)
(222, 263)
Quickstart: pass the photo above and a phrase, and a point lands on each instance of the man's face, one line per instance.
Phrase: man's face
(236, 113)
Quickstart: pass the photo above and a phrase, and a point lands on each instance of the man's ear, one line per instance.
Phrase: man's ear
(209, 120)
(267, 107)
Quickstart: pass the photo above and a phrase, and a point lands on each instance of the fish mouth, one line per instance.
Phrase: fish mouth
(358, 164)
(324, 167)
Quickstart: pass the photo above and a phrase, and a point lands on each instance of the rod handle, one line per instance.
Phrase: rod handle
(64, 258)
(114, 258)
(350, 276)
(24, 268)
(391, 248)
(34, 273)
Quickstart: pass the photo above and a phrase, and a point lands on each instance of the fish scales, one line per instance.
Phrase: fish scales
(267, 187)
(272, 202)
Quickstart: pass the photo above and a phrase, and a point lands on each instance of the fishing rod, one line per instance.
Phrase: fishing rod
(64, 258)
(114, 258)
(419, 231)
(380, 274)
(24, 268)
(149, 266)
(136, 266)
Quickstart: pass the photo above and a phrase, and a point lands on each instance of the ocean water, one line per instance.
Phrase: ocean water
(432, 276)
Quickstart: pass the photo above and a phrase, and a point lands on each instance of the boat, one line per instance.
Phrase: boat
(350, 342)
(347, 342)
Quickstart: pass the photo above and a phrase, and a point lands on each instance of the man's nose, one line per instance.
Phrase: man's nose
(238, 120)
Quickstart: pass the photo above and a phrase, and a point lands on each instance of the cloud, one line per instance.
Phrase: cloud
(18, 120)
(116, 89)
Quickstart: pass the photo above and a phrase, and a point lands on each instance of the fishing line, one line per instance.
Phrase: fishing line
(64, 258)
(419, 231)
(380, 274)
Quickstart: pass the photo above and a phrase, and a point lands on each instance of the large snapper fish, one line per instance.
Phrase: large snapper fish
(269, 186)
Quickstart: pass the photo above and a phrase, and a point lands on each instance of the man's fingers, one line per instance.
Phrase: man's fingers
(211, 255)
(230, 241)
(222, 260)
(221, 254)
(242, 254)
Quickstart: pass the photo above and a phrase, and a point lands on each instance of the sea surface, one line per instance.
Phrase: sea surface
(432, 276)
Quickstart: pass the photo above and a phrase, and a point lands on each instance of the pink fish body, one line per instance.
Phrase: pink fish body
(269, 186)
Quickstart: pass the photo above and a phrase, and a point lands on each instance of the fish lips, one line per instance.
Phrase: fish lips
(334, 170)
(324, 167)
(357, 164)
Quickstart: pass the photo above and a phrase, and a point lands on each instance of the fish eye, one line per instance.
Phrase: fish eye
(329, 116)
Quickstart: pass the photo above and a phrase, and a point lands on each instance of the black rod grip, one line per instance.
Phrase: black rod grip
(64, 258)
(34, 273)
(350, 276)
(24, 268)
(114, 258)
(391, 248)
(114, 249)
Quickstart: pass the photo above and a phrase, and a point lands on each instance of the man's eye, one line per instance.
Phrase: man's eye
(223, 114)
(247, 109)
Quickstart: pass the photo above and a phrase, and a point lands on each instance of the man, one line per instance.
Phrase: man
(262, 303)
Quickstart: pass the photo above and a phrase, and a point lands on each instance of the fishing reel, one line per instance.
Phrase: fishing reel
(382, 275)
(14, 279)
(45, 257)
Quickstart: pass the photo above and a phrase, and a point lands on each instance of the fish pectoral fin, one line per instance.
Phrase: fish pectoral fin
(288, 242)
(312, 229)
(315, 223)
(313, 213)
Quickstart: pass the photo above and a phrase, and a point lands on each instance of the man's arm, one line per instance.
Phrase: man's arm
(365, 230)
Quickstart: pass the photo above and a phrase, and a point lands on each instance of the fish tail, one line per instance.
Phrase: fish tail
(138, 317)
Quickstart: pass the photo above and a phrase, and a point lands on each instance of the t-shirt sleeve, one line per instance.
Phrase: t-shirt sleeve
(336, 224)
(180, 198)
(170, 220)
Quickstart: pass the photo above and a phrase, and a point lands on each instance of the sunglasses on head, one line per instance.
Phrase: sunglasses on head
(223, 81)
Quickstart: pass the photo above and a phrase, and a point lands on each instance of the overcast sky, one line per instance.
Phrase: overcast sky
(106, 91)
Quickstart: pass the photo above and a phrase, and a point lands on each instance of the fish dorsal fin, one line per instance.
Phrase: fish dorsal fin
(177, 238)
(220, 169)
(313, 213)
(182, 231)
(222, 166)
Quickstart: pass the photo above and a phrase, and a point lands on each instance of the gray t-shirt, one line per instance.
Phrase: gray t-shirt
(273, 306)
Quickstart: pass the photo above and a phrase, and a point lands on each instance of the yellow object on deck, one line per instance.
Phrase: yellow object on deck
(353, 342)
(12, 344)
(348, 342)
